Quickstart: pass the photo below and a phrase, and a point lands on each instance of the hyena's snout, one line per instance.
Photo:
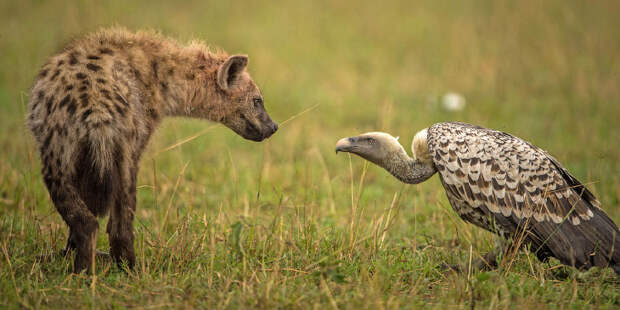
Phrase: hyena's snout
(271, 128)
(253, 128)
(267, 127)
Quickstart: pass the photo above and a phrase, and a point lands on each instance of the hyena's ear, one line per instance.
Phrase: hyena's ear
(230, 70)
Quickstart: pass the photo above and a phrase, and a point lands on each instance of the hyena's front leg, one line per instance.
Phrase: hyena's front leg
(120, 225)
(83, 225)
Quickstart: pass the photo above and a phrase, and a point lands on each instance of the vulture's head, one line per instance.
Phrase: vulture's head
(376, 147)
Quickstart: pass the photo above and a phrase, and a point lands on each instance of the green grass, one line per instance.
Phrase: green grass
(227, 223)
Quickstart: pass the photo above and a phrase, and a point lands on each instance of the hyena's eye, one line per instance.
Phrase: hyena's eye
(258, 102)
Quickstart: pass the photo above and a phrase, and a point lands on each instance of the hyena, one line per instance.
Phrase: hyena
(94, 106)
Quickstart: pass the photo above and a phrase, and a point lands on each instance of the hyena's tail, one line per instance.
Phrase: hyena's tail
(97, 169)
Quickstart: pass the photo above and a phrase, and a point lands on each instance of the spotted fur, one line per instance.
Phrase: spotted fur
(95, 105)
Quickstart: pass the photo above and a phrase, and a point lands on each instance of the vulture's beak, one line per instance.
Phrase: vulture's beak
(346, 144)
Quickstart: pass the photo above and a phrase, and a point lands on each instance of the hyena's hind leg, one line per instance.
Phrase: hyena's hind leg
(71, 243)
(120, 224)
(72, 246)
(83, 225)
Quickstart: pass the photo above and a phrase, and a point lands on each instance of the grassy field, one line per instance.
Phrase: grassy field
(227, 223)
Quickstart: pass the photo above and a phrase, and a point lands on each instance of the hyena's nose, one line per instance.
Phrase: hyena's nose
(271, 129)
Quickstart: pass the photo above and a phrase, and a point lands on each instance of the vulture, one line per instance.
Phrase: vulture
(505, 185)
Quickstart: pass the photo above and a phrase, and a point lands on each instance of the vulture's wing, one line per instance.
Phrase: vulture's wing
(520, 188)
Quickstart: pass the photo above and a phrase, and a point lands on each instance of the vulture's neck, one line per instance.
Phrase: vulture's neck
(408, 170)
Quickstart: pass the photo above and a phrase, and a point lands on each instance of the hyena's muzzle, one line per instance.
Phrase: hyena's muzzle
(255, 125)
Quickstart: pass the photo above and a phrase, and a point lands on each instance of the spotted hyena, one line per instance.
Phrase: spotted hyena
(94, 106)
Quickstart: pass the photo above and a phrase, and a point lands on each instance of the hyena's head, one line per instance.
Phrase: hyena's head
(246, 114)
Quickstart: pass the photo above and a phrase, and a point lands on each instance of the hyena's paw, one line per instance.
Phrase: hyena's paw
(44, 258)
(122, 252)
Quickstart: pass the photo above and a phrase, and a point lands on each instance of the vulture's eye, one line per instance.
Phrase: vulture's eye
(258, 102)
(370, 140)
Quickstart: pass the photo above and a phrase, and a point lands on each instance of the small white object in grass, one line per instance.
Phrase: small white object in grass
(453, 102)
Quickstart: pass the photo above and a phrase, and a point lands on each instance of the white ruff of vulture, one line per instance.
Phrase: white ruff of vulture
(505, 185)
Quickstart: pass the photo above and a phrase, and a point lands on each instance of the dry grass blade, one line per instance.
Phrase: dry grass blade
(188, 139)
(176, 186)
(299, 114)
(390, 218)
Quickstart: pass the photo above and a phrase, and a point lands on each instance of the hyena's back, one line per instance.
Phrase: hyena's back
(86, 115)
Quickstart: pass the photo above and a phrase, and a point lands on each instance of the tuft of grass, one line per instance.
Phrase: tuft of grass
(227, 223)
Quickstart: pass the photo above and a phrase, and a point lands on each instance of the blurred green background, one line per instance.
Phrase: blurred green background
(546, 71)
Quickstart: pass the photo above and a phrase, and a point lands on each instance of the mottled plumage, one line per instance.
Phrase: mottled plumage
(510, 187)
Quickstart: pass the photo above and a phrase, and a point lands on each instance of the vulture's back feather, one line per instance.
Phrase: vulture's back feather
(508, 186)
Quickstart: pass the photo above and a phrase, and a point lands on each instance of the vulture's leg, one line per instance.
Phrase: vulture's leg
(450, 267)
(488, 261)
(491, 260)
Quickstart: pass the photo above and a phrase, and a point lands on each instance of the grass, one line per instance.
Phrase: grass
(227, 223)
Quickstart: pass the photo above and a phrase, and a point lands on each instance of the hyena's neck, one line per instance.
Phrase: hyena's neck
(179, 79)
